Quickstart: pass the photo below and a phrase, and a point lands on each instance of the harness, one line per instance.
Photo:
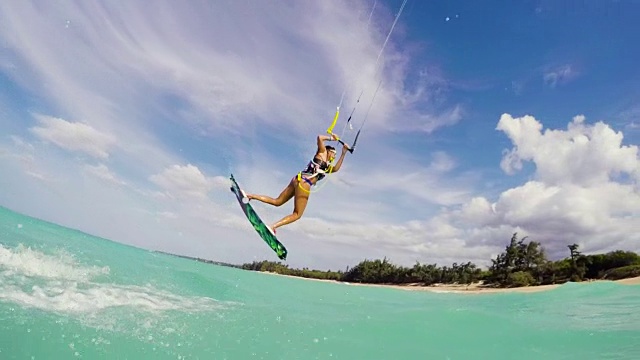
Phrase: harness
(312, 170)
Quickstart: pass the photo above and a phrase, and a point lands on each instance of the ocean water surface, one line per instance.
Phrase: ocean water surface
(65, 294)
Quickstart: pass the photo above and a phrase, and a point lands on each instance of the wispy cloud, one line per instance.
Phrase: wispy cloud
(630, 118)
(184, 181)
(517, 86)
(553, 75)
(124, 80)
(73, 136)
(559, 75)
(102, 172)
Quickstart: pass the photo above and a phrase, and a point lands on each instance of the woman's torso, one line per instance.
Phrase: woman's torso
(316, 168)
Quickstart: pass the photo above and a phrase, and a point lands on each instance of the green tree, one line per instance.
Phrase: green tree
(578, 263)
(599, 264)
(518, 257)
(520, 278)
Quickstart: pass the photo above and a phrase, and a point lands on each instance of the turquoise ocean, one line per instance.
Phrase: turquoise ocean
(68, 295)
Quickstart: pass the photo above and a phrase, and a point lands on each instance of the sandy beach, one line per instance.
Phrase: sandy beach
(630, 281)
(475, 288)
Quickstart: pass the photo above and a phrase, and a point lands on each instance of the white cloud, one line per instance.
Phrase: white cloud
(586, 188)
(582, 154)
(73, 136)
(185, 181)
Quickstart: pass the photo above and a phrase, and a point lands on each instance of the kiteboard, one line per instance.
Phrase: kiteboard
(257, 223)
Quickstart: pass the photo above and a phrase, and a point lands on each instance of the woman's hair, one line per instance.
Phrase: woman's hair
(329, 148)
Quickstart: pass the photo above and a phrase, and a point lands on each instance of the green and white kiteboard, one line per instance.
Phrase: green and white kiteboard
(257, 223)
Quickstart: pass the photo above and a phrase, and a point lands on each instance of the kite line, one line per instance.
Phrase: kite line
(348, 122)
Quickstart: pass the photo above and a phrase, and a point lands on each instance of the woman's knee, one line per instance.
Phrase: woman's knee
(280, 200)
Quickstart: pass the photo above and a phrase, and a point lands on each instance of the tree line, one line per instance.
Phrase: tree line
(522, 263)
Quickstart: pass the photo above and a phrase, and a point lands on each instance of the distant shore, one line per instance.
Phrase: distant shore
(622, 267)
(475, 288)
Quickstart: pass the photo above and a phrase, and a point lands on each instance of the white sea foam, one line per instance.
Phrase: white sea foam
(72, 298)
(58, 283)
(25, 261)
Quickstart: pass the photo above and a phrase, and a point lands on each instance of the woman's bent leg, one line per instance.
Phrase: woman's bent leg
(286, 195)
(300, 203)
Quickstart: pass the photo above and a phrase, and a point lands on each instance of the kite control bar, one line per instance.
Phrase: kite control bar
(349, 148)
(330, 131)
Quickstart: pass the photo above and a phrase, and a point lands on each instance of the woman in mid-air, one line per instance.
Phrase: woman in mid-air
(300, 185)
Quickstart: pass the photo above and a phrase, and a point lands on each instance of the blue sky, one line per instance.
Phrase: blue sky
(125, 121)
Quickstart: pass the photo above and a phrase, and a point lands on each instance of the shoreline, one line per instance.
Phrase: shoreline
(475, 288)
